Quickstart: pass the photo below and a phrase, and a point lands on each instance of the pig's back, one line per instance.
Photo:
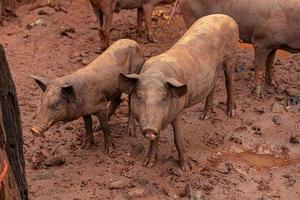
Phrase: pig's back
(203, 49)
(102, 74)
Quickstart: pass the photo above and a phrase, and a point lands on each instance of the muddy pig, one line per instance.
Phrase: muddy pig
(267, 24)
(180, 78)
(104, 10)
(87, 91)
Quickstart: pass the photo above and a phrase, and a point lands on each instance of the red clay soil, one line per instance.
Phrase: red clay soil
(254, 156)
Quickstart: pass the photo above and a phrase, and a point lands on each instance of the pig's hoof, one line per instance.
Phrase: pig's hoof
(131, 131)
(88, 144)
(150, 162)
(205, 115)
(139, 33)
(185, 167)
(151, 38)
(96, 128)
(109, 148)
(258, 92)
(231, 113)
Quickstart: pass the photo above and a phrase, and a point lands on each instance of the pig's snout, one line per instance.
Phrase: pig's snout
(36, 131)
(150, 134)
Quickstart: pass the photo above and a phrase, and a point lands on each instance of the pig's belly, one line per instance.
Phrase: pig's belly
(130, 4)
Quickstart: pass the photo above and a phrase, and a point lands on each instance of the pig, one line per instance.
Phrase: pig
(104, 10)
(87, 91)
(180, 78)
(267, 24)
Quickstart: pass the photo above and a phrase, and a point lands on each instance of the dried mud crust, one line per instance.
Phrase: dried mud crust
(51, 42)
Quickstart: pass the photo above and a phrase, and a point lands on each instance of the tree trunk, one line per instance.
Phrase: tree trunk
(11, 137)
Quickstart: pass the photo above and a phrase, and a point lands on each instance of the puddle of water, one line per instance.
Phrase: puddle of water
(262, 161)
(261, 157)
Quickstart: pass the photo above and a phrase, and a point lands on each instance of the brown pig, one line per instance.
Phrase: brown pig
(87, 91)
(267, 24)
(104, 10)
(180, 78)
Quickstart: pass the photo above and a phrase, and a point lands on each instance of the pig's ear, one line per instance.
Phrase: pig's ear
(127, 82)
(42, 82)
(177, 89)
(69, 92)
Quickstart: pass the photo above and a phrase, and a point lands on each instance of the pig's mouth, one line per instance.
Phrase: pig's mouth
(150, 134)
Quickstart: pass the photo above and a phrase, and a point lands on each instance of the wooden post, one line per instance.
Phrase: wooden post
(1, 12)
(11, 136)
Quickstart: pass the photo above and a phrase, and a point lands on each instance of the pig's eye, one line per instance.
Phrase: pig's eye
(138, 97)
(56, 105)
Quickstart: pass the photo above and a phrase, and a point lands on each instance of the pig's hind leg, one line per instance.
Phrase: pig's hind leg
(140, 16)
(103, 119)
(113, 106)
(99, 16)
(270, 68)
(89, 138)
(208, 107)
(228, 72)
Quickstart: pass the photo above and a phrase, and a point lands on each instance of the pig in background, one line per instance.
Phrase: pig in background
(104, 10)
(182, 77)
(267, 24)
(87, 91)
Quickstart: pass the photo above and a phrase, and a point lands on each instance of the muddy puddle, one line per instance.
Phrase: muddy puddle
(262, 157)
(261, 161)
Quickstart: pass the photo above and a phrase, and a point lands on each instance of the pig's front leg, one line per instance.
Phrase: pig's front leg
(89, 137)
(131, 129)
(208, 107)
(103, 119)
(178, 139)
(228, 72)
(113, 106)
(152, 153)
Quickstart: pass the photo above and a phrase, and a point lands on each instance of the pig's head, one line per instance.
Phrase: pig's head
(56, 104)
(153, 100)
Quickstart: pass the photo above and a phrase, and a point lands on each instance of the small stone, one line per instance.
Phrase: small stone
(295, 139)
(120, 184)
(119, 197)
(277, 108)
(277, 120)
(240, 129)
(188, 190)
(55, 160)
(293, 92)
(223, 168)
(136, 193)
(42, 12)
(66, 31)
(197, 195)
(170, 192)
(84, 62)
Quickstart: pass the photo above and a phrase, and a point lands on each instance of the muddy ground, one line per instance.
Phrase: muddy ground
(253, 156)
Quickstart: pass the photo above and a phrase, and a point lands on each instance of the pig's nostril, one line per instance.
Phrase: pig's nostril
(150, 134)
